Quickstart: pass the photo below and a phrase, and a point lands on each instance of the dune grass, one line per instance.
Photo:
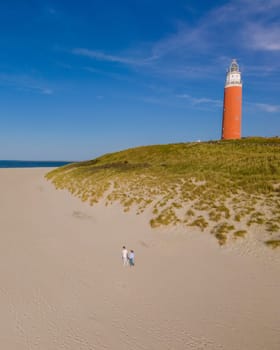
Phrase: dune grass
(195, 184)
(239, 234)
(273, 243)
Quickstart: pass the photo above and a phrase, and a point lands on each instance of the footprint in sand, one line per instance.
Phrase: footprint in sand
(81, 215)
(144, 244)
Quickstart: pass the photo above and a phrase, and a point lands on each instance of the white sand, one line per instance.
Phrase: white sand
(63, 285)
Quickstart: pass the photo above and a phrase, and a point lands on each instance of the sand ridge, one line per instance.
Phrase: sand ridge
(63, 285)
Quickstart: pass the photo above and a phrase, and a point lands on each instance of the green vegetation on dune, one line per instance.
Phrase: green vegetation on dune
(193, 184)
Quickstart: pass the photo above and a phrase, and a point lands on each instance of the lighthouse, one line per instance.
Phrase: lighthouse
(231, 128)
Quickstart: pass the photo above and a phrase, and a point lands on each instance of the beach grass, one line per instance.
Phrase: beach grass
(273, 243)
(201, 184)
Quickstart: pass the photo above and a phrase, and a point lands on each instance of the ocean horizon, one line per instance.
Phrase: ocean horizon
(32, 163)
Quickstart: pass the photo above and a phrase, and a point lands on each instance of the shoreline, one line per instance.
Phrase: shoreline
(18, 164)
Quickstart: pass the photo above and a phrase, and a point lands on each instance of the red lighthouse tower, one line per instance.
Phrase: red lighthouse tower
(232, 110)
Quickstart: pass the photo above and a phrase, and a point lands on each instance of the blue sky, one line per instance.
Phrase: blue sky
(82, 78)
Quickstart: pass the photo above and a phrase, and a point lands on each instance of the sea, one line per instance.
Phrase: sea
(31, 164)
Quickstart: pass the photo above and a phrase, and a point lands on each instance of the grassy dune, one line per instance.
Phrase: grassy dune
(224, 187)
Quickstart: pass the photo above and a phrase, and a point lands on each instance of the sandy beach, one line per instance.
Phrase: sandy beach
(63, 285)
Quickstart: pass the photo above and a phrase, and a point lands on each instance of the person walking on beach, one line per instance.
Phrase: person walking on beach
(131, 257)
(124, 256)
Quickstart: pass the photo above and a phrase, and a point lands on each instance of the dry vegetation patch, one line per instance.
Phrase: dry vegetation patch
(211, 185)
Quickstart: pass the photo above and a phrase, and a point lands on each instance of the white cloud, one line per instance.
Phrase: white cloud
(46, 91)
(266, 38)
(268, 107)
(154, 100)
(201, 100)
(258, 6)
(247, 23)
(108, 74)
(262, 70)
(184, 39)
(203, 49)
(25, 82)
(101, 56)
(264, 107)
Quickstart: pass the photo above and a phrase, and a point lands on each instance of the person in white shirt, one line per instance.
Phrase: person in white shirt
(124, 256)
